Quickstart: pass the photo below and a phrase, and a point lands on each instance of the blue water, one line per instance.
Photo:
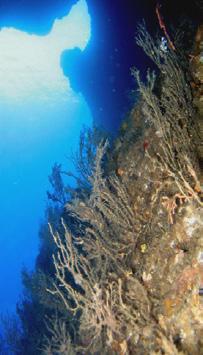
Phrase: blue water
(40, 121)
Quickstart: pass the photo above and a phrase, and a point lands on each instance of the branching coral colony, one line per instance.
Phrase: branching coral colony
(131, 275)
(173, 117)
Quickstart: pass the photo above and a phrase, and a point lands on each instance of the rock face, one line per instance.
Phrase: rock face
(197, 71)
(141, 277)
(168, 258)
(146, 223)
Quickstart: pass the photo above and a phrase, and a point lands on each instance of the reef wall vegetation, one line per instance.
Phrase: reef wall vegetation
(119, 269)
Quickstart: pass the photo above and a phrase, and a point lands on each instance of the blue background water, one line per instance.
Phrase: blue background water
(40, 120)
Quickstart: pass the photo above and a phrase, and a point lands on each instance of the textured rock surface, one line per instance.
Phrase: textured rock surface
(197, 71)
(168, 258)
